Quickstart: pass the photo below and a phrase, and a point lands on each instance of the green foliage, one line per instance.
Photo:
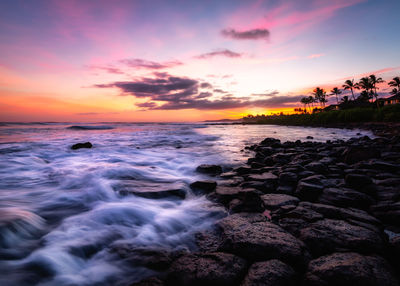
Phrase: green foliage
(390, 113)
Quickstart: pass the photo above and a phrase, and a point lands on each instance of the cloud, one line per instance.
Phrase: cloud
(225, 53)
(175, 93)
(218, 90)
(314, 56)
(95, 113)
(254, 34)
(144, 64)
(205, 85)
(109, 69)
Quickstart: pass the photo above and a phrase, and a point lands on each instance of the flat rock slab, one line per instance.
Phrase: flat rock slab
(203, 186)
(275, 201)
(349, 269)
(176, 193)
(258, 240)
(81, 145)
(207, 269)
(270, 273)
(345, 197)
(330, 235)
(268, 176)
(209, 169)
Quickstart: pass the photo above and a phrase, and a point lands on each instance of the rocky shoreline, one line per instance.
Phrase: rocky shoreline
(300, 213)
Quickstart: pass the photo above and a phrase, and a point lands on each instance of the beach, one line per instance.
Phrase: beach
(152, 202)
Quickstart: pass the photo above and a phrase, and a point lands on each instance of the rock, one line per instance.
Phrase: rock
(288, 178)
(356, 154)
(342, 213)
(260, 240)
(209, 169)
(243, 170)
(248, 201)
(200, 269)
(303, 213)
(224, 194)
(175, 193)
(328, 235)
(270, 273)
(81, 145)
(357, 181)
(349, 269)
(275, 201)
(307, 191)
(264, 177)
(206, 186)
(317, 167)
(153, 258)
(309, 137)
(345, 197)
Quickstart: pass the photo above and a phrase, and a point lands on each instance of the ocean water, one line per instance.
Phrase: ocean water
(63, 212)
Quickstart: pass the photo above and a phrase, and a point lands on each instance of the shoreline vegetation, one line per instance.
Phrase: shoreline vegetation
(366, 107)
(299, 213)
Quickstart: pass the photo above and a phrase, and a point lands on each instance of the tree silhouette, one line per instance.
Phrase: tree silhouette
(320, 95)
(374, 81)
(394, 91)
(349, 84)
(336, 91)
(395, 82)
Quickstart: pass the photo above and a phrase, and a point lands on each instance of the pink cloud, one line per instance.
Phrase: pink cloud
(314, 56)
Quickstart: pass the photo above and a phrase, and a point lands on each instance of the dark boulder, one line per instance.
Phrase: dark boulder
(152, 281)
(209, 169)
(154, 194)
(200, 269)
(349, 269)
(308, 191)
(275, 201)
(355, 154)
(206, 186)
(270, 273)
(258, 240)
(328, 235)
(345, 197)
(81, 145)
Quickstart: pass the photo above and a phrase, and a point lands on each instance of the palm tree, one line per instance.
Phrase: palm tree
(336, 91)
(395, 82)
(366, 84)
(394, 91)
(311, 100)
(349, 84)
(320, 94)
(374, 81)
(304, 100)
(345, 99)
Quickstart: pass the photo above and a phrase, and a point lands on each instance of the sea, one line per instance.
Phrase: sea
(66, 214)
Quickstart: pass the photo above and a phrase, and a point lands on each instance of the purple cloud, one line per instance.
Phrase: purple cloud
(254, 34)
(225, 53)
(144, 64)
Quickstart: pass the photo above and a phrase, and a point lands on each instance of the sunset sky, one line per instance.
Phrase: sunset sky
(88, 61)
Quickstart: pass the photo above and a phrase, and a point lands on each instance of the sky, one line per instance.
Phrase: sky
(151, 61)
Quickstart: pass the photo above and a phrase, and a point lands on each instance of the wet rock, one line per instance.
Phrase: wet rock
(275, 201)
(308, 191)
(270, 273)
(207, 269)
(288, 178)
(203, 186)
(260, 240)
(154, 194)
(150, 257)
(349, 269)
(317, 167)
(356, 154)
(249, 201)
(81, 145)
(345, 197)
(209, 169)
(303, 213)
(328, 235)
(264, 177)
(357, 181)
(309, 137)
(342, 213)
